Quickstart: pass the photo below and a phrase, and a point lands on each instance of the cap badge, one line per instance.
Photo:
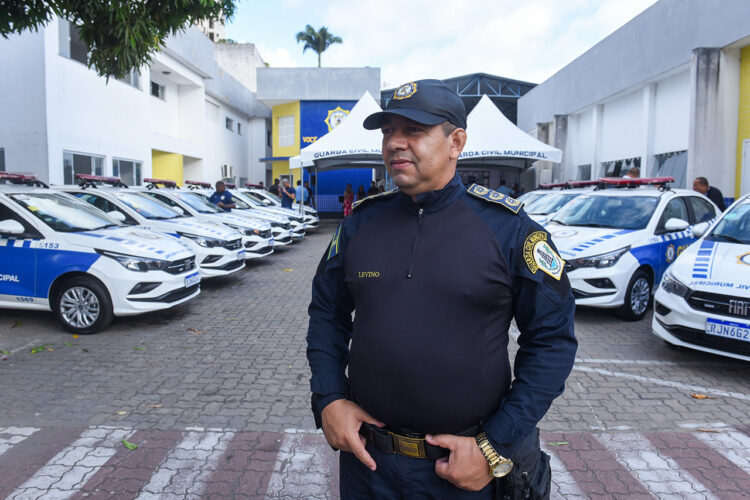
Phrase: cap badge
(405, 91)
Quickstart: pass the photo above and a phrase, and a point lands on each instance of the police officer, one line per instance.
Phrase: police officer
(435, 272)
(222, 198)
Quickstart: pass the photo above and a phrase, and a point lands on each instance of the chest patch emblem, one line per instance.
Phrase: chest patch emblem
(539, 255)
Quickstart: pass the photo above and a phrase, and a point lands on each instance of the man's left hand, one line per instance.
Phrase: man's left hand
(466, 466)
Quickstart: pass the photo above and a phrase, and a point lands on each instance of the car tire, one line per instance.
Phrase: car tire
(637, 297)
(83, 305)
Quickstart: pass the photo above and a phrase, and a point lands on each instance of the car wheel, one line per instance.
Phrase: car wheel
(83, 305)
(637, 297)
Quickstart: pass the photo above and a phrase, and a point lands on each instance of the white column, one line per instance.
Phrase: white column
(705, 153)
(647, 130)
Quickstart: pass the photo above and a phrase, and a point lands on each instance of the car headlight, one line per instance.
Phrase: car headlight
(244, 230)
(670, 284)
(203, 240)
(603, 260)
(135, 263)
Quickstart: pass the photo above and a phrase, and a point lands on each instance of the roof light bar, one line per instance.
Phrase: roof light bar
(230, 185)
(163, 182)
(576, 184)
(88, 178)
(639, 181)
(552, 186)
(29, 179)
(251, 185)
(198, 184)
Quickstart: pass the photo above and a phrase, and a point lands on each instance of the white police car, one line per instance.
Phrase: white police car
(312, 218)
(618, 242)
(59, 253)
(218, 248)
(256, 234)
(543, 208)
(704, 299)
(282, 228)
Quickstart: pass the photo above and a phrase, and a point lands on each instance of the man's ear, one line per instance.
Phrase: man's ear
(458, 141)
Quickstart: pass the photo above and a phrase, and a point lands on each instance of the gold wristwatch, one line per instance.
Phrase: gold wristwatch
(499, 465)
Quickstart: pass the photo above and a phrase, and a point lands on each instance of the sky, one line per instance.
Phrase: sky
(526, 40)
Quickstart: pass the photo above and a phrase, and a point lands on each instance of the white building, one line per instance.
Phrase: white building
(668, 92)
(182, 117)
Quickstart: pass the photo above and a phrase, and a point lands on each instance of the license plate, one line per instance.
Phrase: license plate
(241, 255)
(728, 329)
(192, 279)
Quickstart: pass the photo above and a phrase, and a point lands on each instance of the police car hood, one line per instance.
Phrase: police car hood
(186, 225)
(132, 241)
(238, 220)
(715, 266)
(581, 241)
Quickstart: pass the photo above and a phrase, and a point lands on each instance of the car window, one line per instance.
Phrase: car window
(63, 212)
(623, 212)
(8, 214)
(734, 227)
(702, 209)
(103, 204)
(147, 206)
(675, 209)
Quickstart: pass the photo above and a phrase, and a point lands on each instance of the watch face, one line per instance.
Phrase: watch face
(502, 469)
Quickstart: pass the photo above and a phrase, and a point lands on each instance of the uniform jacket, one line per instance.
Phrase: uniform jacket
(434, 286)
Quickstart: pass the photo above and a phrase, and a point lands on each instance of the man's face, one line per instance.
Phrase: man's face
(698, 186)
(418, 157)
(220, 187)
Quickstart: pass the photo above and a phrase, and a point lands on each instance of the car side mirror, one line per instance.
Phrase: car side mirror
(700, 229)
(267, 203)
(675, 224)
(10, 226)
(118, 216)
(177, 209)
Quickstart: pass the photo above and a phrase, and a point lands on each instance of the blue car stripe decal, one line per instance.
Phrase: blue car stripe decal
(704, 261)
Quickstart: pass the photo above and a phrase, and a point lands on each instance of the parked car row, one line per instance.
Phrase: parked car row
(100, 249)
(628, 242)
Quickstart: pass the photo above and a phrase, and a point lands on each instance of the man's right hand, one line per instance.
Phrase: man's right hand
(341, 422)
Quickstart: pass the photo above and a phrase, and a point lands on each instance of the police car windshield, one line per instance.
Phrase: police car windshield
(198, 204)
(147, 207)
(734, 227)
(621, 212)
(272, 196)
(531, 197)
(239, 203)
(250, 199)
(549, 204)
(64, 213)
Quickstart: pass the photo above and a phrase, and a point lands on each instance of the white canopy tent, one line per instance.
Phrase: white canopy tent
(492, 137)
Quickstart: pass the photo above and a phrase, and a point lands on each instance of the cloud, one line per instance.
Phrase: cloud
(278, 57)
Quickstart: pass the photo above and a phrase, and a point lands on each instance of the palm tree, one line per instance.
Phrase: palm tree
(318, 41)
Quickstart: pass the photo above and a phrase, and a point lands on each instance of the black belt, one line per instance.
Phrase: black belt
(408, 444)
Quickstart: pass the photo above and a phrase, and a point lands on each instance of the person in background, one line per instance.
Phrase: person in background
(361, 194)
(503, 189)
(348, 200)
(373, 189)
(310, 193)
(262, 185)
(275, 188)
(222, 198)
(302, 193)
(700, 184)
(633, 173)
(287, 195)
(517, 191)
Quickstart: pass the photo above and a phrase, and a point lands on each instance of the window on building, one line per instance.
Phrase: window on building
(268, 136)
(80, 163)
(71, 45)
(239, 128)
(286, 131)
(2, 159)
(672, 165)
(229, 124)
(618, 168)
(584, 172)
(158, 91)
(133, 78)
(127, 170)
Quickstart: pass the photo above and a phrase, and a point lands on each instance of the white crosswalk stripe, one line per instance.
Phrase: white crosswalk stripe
(188, 466)
(299, 471)
(69, 470)
(735, 446)
(10, 436)
(563, 483)
(659, 474)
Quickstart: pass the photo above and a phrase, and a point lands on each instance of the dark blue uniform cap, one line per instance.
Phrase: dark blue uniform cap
(428, 102)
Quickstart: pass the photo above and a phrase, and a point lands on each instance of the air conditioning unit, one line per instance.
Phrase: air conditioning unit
(227, 171)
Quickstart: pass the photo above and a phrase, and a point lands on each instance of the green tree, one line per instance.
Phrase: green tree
(318, 41)
(120, 34)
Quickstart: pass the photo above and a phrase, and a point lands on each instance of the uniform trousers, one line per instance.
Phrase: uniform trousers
(399, 477)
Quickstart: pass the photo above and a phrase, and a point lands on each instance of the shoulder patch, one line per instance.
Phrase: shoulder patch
(374, 197)
(486, 194)
(333, 247)
(538, 254)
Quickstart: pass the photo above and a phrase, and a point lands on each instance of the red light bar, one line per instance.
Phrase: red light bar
(163, 182)
(552, 186)
(251, 185)
(17, 177)
(639, 181)
(575, 184)
(230, 185)
(98, 178)
(199, 183)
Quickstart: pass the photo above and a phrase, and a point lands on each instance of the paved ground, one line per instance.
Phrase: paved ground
(215, 395)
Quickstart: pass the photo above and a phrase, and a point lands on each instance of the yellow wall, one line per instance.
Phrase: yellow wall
(743, 127)
(167, 166)
(281, 110)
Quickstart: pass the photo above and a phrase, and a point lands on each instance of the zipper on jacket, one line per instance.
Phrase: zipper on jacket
(416, 240)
